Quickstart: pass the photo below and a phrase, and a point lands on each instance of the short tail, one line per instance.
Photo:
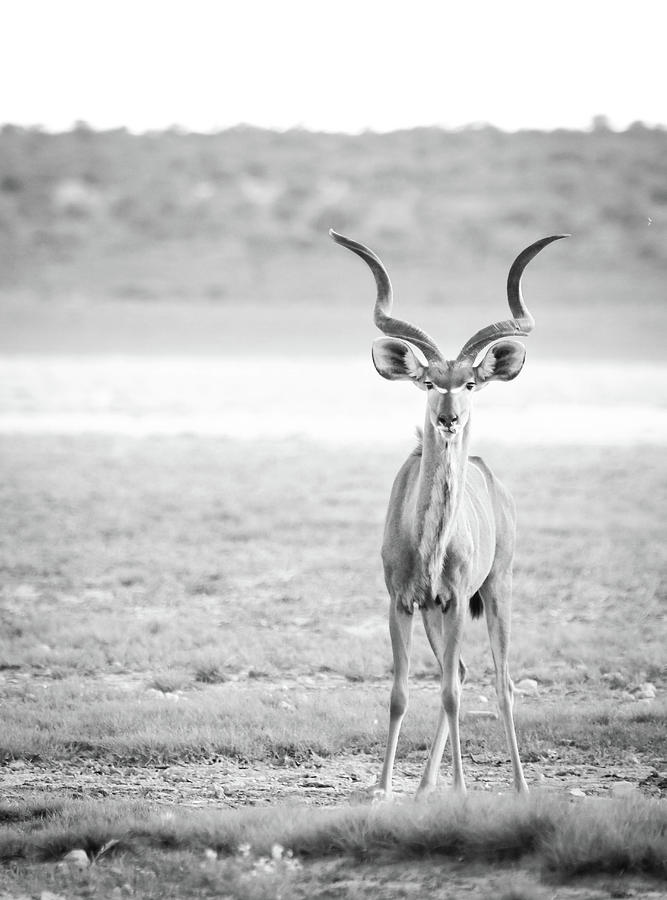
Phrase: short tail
(476, 605)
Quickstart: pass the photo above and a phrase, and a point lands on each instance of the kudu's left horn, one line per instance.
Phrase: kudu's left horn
(522, 322)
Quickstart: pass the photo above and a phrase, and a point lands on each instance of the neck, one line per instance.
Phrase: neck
(443, 465)
(439, 491)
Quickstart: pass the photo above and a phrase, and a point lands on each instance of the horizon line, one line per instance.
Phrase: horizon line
(598, 124)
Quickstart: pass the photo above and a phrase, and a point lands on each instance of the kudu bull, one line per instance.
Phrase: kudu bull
(450, 529)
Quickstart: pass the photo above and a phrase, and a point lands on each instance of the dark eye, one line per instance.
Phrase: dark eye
(428, 385)
(470, 386)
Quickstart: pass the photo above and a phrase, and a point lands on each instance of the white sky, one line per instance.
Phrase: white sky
(335, 65)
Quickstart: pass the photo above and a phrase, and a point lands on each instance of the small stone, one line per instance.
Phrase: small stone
(210, 853)
(623, 789)
(77, 858)
(17, 764)
(526, 686)
(645, 691)
(481, 714)
(482, 699)
(576, 792)
(48, 895)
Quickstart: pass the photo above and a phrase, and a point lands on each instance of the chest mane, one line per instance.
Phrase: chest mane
(437, 518)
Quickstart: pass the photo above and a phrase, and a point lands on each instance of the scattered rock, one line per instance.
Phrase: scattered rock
(210, 853)
(481, 714)
(49, 895)
(77, 858)
(526, 686)
(174, 696)
(25, 592)
(576, 792)
(17, 764)
(645, 691)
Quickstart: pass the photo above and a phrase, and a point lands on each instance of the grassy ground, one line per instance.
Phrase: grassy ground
(214, 570)
(180, 599)
(194, 555)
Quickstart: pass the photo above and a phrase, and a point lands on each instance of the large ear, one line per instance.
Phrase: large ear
(503, 362)
(394, 359)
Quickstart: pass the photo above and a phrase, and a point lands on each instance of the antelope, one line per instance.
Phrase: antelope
(450, 528)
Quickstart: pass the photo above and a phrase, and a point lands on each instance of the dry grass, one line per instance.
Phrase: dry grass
(76, 719)
(213, 557)
(179, 563)
(601, 836)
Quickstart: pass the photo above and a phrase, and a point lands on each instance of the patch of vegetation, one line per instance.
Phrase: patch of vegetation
(210, 673)
(68, 198)
(170, 681)
(599, 836)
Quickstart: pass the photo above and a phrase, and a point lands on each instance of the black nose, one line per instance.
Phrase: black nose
(447, 421)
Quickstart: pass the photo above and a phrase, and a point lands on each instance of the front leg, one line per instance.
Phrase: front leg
(400, 629)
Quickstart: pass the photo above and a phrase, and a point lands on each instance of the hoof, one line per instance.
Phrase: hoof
(379, 795)
(424, 791)
(372, 794)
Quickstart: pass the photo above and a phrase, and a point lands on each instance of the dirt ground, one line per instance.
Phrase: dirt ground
(321, 782)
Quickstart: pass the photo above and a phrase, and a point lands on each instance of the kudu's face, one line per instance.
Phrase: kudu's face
(449, 385)
(449, 399)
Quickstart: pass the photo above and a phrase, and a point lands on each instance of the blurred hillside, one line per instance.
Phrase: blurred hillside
(230, 215)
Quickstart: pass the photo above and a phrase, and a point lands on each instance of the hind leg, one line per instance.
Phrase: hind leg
(444, 629)
(400, 630)
(434, 627)
(497, 596)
